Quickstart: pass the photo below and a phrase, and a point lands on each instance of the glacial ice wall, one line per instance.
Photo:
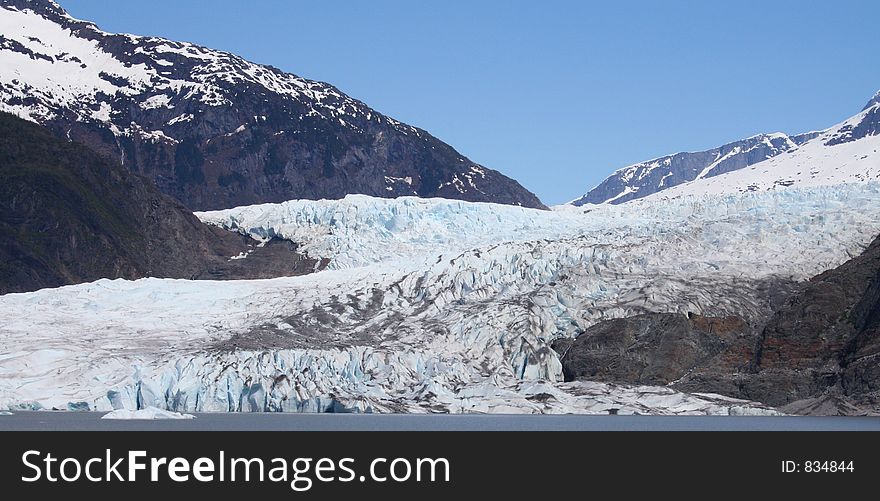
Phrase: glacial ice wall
(461, 325)
(360, 230)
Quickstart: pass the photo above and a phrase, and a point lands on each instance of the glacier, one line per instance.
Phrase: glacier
(148, 413)
(427, 305)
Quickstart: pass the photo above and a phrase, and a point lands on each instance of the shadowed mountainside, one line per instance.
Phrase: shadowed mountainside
(69, 215)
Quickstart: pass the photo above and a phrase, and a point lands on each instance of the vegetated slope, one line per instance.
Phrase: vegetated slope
(68, 215)
(216, 131)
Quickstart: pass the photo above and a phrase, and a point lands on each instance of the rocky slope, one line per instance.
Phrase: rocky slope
(646, 178)
(846, 152)
(652, 348)
(816, 354)
(68, 215)
(824, 343)
(216, 131)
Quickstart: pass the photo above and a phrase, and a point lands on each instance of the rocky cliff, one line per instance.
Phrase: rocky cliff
(816, 354)
(69, 215)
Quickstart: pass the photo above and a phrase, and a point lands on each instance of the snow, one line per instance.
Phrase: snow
(157, 101)
(186, 117)
(153, 135)
(664, 178)
(629, 179)
(814, 163)
(720, 158)
(626, 191)
(392, 179)
(68, 74)
(241, 255)
(874, 100)
(146, 413)
(70, 71)
(429, 306)
(239, 129)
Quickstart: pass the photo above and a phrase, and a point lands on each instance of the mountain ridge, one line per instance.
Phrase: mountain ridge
(843, 153)
(217, 131)
(683, 168)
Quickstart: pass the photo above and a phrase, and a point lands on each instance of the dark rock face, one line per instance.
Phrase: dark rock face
(646, 178)
(216, 131)
(817, 353)
(68, 215)
(654, 348)
(825, 341)
(867, 125)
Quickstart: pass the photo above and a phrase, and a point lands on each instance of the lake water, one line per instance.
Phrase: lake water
(91, 421)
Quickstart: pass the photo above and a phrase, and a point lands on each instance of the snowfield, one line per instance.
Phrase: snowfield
(57, 66)
(843, 153)
(428, 306)
(814, 163)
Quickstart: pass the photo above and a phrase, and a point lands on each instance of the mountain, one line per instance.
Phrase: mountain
(68, 215)
(765, 161)
(216, 131)
(844, 153)
(646, 178)
(874, 100)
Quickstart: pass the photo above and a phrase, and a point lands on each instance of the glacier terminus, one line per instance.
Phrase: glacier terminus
(427, 305)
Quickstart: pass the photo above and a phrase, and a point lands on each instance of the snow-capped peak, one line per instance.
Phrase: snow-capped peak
(844, 153)
(215, 130)
(718, 170)
(55, 64)
(41, 7)
(643, 179)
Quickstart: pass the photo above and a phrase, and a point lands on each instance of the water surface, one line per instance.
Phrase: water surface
(91, 421)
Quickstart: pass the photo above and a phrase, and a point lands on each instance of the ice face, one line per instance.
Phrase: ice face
(148, 413)
(434, 305)
(361, 230)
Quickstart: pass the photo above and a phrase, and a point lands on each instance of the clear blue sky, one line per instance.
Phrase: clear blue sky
(556, 94)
